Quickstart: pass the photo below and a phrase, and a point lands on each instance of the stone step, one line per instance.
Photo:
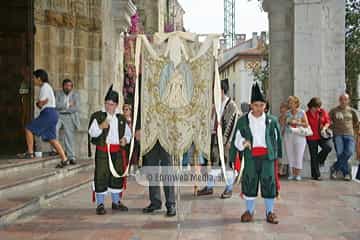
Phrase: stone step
(12, 167)
(31, 199)
(19, 182)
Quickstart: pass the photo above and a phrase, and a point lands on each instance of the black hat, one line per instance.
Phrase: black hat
(225, 85)
(256, 94)
(112, 95)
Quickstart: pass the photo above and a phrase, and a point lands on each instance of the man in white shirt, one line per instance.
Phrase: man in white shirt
(110, 133)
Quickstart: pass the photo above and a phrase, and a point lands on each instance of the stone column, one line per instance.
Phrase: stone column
(319, 50)
(281, 28)
(307, 50)
(333, 51)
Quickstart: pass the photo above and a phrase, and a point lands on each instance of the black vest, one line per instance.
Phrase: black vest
(100, 116)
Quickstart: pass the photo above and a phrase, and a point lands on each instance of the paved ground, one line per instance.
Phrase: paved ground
(307, 210)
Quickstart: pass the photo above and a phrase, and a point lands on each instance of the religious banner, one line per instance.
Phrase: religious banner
(176, 92)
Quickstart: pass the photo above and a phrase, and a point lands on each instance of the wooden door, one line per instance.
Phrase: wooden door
(16, 66)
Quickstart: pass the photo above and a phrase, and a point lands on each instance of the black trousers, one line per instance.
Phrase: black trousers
(158, 157)
(318, 158)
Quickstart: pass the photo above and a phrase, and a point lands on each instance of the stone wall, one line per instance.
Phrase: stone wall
(281, 24)
(152, 15)
(78, 39)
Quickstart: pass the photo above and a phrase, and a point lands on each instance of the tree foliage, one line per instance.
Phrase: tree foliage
(261, 73)
(352, 48)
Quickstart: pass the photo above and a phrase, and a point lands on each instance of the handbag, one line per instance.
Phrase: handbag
(327, 133)
(302, 131)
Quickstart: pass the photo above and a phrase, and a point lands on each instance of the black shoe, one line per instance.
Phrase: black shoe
(226, 194)
(72, 162)
(205, 191)
(317, 178)
(62, 164)
(121, 207)
(151, 208)
(100, 210)
(26, 155)
(171, 212)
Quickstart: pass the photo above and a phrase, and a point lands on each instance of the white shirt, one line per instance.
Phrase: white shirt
(257, 128)
(113, 136)
(67, 100)
(46, 92)
(223, 104)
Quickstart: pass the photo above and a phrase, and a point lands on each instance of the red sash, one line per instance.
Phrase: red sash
(113, 148)
(259, 151)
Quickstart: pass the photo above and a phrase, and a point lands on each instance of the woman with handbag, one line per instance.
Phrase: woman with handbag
(297, 128)
(319, 122)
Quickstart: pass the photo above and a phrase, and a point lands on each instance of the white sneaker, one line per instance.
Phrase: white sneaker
(291, 177)
(298, 178)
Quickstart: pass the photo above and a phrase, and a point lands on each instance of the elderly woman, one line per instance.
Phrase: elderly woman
(295, 143)
(319, 121)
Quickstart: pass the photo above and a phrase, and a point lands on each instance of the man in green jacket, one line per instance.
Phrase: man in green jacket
(258, 135)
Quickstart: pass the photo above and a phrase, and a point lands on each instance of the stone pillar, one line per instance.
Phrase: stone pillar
(307, 50)
(319, 50)
(281, 28)
(333, 51)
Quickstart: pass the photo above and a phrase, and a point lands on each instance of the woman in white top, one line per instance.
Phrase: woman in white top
(45, 124)
(294, 143)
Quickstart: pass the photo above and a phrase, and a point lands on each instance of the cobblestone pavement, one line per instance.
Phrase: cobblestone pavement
(307, 210)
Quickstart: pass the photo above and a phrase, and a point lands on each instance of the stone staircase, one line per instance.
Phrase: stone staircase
(26, 185)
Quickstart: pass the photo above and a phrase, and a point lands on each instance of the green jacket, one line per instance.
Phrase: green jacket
(272, 135)
(100, 116)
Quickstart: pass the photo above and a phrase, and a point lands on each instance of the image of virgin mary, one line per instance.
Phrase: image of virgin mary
(177, 91)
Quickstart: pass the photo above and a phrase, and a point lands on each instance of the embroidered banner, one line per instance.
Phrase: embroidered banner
(176, 92)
